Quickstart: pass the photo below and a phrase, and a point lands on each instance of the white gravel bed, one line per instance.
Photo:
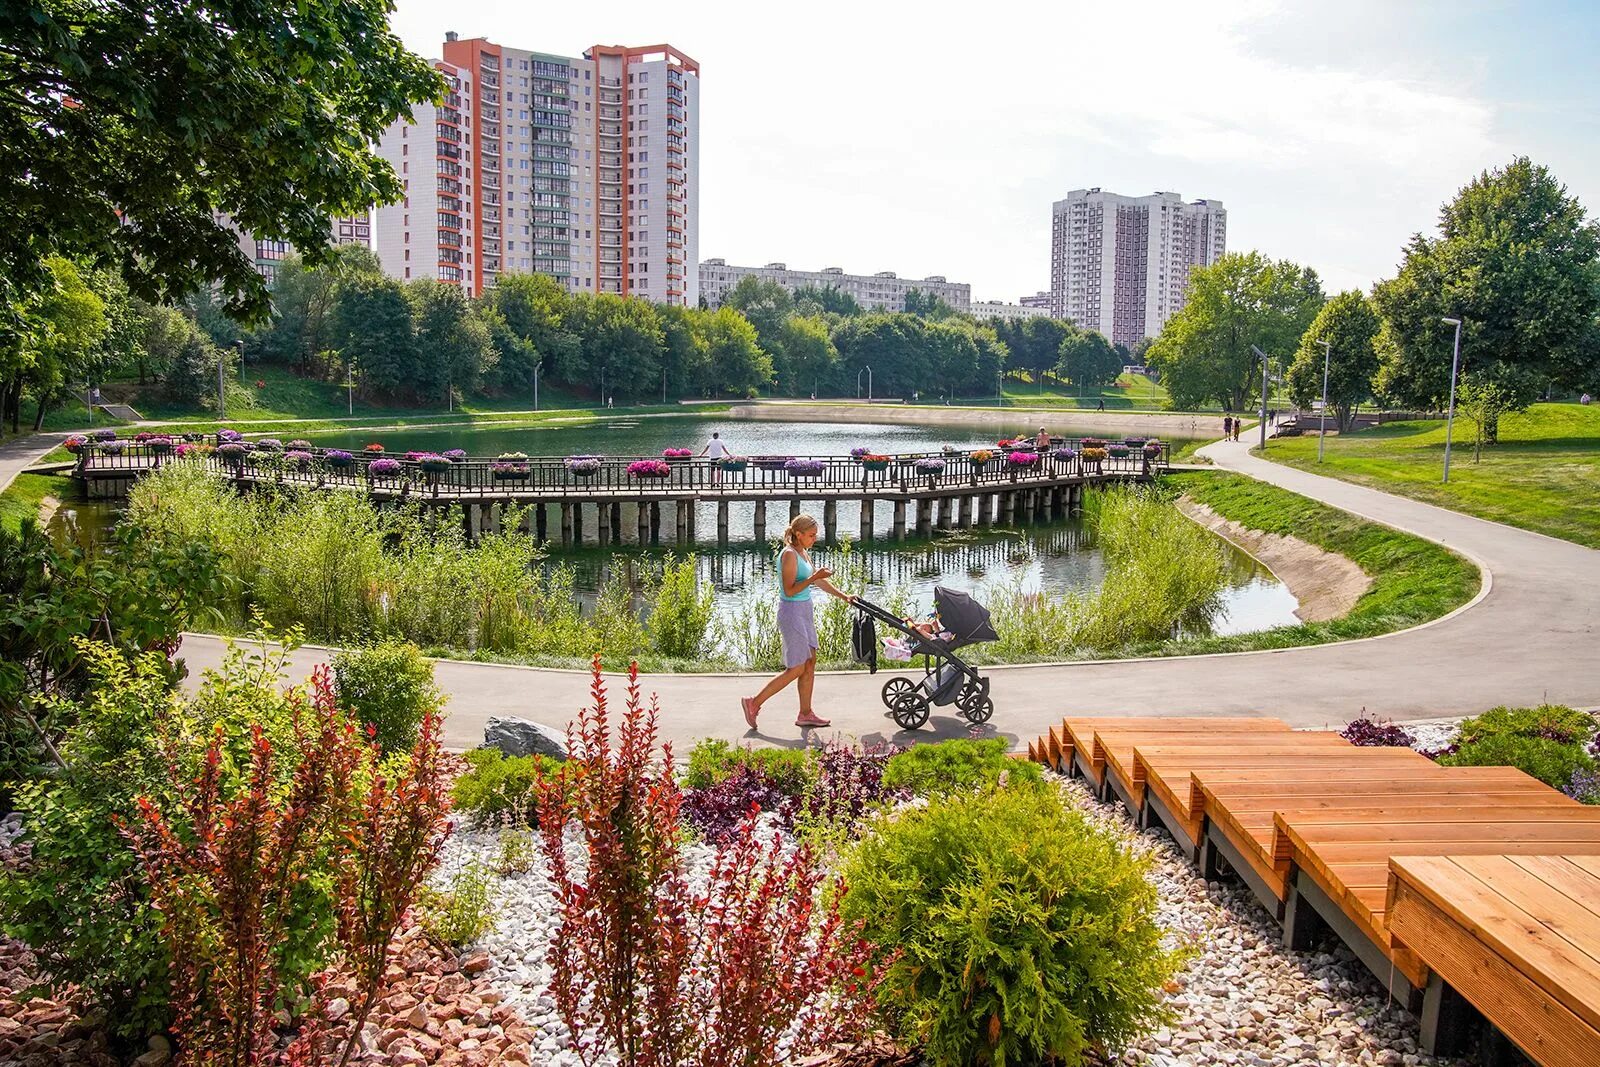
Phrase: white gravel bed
(1243, 999)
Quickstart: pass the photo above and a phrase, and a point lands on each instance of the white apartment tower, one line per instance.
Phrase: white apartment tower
(1120, 264)
(585, 169)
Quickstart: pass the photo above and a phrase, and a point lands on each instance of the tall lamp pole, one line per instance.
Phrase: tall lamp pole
(869, 385)
(536, 387)
(350, 387)
(1264, 384)
(1450, 417)
(1322, 436)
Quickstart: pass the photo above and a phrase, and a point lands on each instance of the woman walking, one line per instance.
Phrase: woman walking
(796, 621)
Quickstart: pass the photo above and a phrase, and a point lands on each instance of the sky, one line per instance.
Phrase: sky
(932, 138)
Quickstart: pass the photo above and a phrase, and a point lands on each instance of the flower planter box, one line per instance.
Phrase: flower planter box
(771, 463)
(1117, 451)
(875, 465)
(338, 459)
(649, 470)
(383, 470)
(510, 474)
(733, 466)
(804, 468)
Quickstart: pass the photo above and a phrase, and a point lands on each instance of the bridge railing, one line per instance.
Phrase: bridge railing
(906, 473)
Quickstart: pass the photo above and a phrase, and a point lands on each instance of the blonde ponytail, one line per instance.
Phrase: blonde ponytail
(797, 526)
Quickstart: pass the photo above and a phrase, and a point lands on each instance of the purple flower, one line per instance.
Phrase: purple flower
(804, 468)
(298, 457)
(338, 457)
(225, 436)
(432, 462)
(1023, 459)
(929, 465)
(269, 444)
(300, 446)
(104, 434)
(456, 455)
(583, 466)
(1372, 733)
(383, 468)
(859, 451)
(1065, 455)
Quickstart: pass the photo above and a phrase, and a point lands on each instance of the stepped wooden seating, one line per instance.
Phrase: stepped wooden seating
(1084, 741)
(1515, 936)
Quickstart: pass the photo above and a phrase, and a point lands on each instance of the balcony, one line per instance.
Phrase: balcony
(612, 113)
(491, 214)
(489, 81)
(610, 129)
(610, 144)
(610, 177)
(445, 150)
(612, 211)
(490, 114)
(491, 181)
(490, 166)
(491, 230)
(489, 129)
(490, 148)
(610, 83)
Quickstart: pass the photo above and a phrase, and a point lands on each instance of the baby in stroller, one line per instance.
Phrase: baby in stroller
(901, 647)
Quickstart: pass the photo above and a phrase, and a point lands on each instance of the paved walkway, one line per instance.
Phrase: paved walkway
(1533, 635)
(20, 453)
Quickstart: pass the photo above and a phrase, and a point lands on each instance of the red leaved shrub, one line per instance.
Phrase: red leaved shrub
(660, 974)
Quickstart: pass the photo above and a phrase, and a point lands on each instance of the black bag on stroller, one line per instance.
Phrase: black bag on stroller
(864, 641)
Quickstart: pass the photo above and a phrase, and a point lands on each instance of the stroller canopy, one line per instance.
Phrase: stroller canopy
(965, 618)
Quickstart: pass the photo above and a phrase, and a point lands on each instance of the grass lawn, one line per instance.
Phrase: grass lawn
(1412, 580)
(25, 495)
(1132, 392)
(1544, 475)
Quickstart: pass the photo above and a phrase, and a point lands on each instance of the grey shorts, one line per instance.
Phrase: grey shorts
(797, 624)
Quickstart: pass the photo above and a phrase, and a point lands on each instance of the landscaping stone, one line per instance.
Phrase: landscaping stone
(523, 737)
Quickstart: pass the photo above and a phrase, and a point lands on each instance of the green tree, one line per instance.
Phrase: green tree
(825, 300)
(928, 305)
(452, 340)
(303, 299)
(65, 325)
(1088, 360)
(683, 351)
(1515, 259)
(805, 358)
(766, 304)
(1242, 299)
(734, 360)
(621, 345)
(1349, 323)
(131, 130)
(532, 322)
(373, 331)
(1034, 344)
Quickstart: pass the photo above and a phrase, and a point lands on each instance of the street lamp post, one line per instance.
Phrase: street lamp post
(1265, 383)
(1450, 417)
(663, 386)
(868, 372)
(222, 370)
(1000, 388)
(1322, 436)
(869, 385)
(536, 387)
(350, 388)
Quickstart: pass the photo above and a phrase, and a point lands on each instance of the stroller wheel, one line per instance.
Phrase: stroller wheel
(973, 694)
(982, 711)
(909, 710)
(894, 689)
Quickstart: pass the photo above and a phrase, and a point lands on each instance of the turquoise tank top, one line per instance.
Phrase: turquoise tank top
(802, 571)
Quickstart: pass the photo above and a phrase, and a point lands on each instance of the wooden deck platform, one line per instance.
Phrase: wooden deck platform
(1317, 827)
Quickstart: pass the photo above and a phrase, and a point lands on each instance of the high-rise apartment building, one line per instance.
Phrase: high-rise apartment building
(884, 291)
(543, 163)
(1120, 264)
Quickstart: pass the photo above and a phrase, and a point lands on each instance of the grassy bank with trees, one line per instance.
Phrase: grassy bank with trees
(1543, 474)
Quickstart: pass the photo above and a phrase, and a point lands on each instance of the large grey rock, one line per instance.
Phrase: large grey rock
(522, 737)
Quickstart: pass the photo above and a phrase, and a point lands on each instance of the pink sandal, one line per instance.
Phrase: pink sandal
(750, 710)
(812, 720)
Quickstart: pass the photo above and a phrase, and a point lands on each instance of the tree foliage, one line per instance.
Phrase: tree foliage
(134, 131)
(1349, 323)
(1243, 299)
(1515, 259)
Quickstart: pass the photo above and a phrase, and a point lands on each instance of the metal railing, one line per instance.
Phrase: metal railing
(910, 475)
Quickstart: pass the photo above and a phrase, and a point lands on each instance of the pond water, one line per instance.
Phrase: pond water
(1056, 557)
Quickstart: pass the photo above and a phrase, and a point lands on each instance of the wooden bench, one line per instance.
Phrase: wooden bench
(1342, 870)
(1517, 937)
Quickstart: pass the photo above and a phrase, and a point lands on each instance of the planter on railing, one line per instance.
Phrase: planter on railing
(860, 453)
(1092, 457)
(1092, 442)
(1117, 451)
(75, 444)
(1064, 455)
(433, 463)
(269, 444)
(233, 453)
(649, 469)
(804, 468)
(677, 455)
(770, 463)
(455, 455)
(338, 459)
(383, 470)
(159, 446)
(980, 458)
(300, 444)
(374, 449)
(298, 459)
(929, 467)
(509, 471)
(871, 461)
(733, 465)
(583, 466)
(228, 436)
(104, 434)
(195, 448)
(1023, 460)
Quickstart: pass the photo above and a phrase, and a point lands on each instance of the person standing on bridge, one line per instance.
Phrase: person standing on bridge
(1041, 443)
(797, 624)
(716, 450)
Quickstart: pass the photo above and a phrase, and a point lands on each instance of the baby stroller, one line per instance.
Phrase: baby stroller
(946, 679)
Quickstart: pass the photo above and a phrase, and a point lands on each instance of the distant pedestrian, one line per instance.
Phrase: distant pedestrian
(611, 401)
(1101, 406)
(1227, 427)
(94, 397)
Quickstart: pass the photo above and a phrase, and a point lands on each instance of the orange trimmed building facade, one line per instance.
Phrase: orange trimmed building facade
(584, 169)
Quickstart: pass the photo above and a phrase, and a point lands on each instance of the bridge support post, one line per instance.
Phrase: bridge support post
(681, 516)
(761, 520)
(1041, 502)
(577, 524)
(866, 519)
(900, 519)
(541, 523)
(946, 506)
(495, 511)
(644, 524)
(692, 506)
(566, 523)
(616, 523)
(964, 516)
(794, 509)
(655, 522)
(722, 522)
(924, 517)
(602, 524)
(830, 519)
(1008, 508)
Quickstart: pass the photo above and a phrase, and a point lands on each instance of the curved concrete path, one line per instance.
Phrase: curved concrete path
(1533, 635)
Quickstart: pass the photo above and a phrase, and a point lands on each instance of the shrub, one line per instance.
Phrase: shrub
(389, 688)
(500, 788)
(458, 915)
(958, 766)
(680, 609)
(519, 850)
(1549, 742)
(718, 811)
(792, 770)
(1026, 935)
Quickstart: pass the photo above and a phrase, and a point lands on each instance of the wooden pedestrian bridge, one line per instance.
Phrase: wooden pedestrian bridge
(1472, 893)
(915, 492)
